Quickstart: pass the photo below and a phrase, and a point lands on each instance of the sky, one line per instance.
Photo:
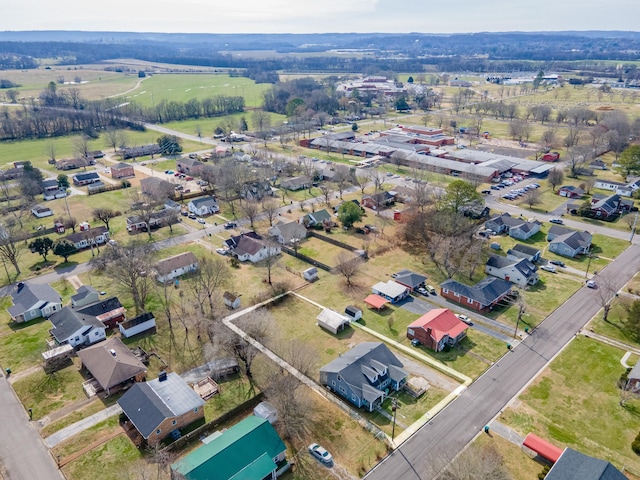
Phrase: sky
(319, 16)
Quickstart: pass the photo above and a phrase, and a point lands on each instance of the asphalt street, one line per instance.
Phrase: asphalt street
(437, 442)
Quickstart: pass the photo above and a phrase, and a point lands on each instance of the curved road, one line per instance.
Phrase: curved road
(432, 447)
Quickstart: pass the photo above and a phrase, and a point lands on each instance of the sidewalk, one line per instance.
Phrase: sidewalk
(610, 341)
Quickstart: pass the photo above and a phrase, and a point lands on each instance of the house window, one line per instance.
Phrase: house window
(470, 301)
(455, 294)
(158, 432)
(175, 422)
(195, 410)
(333, 382)
(342, 389)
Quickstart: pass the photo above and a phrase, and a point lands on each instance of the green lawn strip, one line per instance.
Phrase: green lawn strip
(520, 465)
(21, 345)
(113, 460)
(615, 327)
(47, 393)
(575, 403)
(97, 405)
(233, 392)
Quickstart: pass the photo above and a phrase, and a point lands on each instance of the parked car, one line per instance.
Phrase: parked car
(188, 179)
(465, 319)
(221, 251)
(430, 289)
(559, 263)
(184, 213)
(415, 342)
(201, 220)
(230, 225)
(422, 291)
(486, 192)
(320, 453)
(192, 216)
(548, 268)
(592, 284)
(558, 221)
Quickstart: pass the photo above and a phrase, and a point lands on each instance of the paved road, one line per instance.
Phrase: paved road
(22, 453)
(453, 428)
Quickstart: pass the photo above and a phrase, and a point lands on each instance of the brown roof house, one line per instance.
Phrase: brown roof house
(122, 170)
(112, 364)
(173, 267)
(158, 407)
(157, 187)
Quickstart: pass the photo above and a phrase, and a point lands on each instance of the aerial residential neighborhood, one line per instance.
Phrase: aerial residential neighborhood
(310, 256)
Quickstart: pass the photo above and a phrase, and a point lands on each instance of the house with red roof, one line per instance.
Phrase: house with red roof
(437, 329)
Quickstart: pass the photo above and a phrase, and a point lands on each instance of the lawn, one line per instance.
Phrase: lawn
(97, 405)
(615, 326)
(575, 403)
(47, 393)
(21, 345)
(520, 465)
(233, 392)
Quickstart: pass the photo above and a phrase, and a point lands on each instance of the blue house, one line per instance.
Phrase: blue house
(364, 375)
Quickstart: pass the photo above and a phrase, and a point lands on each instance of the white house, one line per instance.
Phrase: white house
(173, 267)
(521, 271)
(89, 237)
(249, 246)
(76, 330)
(204, 206)
(33, 301)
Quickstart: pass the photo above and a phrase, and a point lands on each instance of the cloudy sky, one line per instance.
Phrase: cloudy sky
(319, 16)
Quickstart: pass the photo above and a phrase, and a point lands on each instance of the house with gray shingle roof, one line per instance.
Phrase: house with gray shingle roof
(284, 233)
(521, 272)
(173, 267)
(519, 250)
(31, 301)
(160, 406)
(316, 218)
(71, 327)
(482, 296)
(362, 374)
(573, 465)
(567, 242)
(204, 206)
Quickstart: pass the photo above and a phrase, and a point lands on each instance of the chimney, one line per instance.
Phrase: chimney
(162, 376)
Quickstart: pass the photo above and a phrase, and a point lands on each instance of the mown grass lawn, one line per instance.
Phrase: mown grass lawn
(615, 326)
(21, 345)
(233, 392)
(97, 405)
(575, 403)
(47, 393)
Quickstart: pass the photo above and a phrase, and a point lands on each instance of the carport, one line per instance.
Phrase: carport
(542, 447)
(376, 301)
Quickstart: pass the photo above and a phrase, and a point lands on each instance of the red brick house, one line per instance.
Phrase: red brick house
(482, 296)
(122, 170)
(437, 329)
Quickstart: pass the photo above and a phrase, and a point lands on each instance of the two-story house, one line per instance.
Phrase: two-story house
(521, 271)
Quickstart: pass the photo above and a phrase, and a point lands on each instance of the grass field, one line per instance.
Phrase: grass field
(575, 403)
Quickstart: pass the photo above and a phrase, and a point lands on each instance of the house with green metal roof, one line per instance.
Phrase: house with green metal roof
(250, 450)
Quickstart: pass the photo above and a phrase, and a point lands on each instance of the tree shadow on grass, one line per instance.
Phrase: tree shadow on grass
(64, 265)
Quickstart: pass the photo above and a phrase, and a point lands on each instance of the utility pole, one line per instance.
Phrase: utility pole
(394, 408)
(633, 229)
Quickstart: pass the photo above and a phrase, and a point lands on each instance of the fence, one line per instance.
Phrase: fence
(207, 428)
(309, 260)
(332, 241)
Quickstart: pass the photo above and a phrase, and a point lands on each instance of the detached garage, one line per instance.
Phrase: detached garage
(331, 321)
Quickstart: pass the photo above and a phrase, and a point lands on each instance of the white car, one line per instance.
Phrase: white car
(221, 251)
(201, 220)
(548, 268)
(319, 453)
(464, 318)
(592, 284)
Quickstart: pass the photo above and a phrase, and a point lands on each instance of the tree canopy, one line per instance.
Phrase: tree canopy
(629, 162)
(458, 194)
(64, 248)
(349, 213)
(41, 246)
(169, 145)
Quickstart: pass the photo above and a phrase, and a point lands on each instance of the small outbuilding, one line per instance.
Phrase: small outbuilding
(267, 411)
(310, 274)
(134, 326)
(376, 301)
(230, 300)
(331, 321)
(353, 313)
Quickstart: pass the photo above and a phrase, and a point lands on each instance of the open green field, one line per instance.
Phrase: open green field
(207, 126)
(184, 86)
(575, 403)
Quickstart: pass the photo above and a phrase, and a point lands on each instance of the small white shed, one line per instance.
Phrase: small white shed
(310, 274)
(331, 321)
(353, 313)
(267, 411)
(230, 300)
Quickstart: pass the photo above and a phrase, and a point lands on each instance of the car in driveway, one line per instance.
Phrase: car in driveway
(230, 225)
(465, 319)
(415, 342)
(557, 221)
(192, 216)
(548, 268)
(430, 289)
(320, 454)
(558, 263)
(221, 251)
(422, 291)
(202, 221)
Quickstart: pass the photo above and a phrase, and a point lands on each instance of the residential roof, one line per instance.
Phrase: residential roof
(376, 301)
(506, 219)
(168, 265)
(26, 296)
(319, 216)
(529, 250)
(247, 245)
(572, 188)
(66, 322)
(573, 465)
(409, 278)
(542, 447)
(86, 176)
(244, 451)
(295, 182)
(103, 309)
(82, 293)
(229, 296)
(609, 204)
(111, 362)
(357, 365)
(290, 231)
(523, 265)
(148, 404)
(120, 166)
(390, 288)
(441, 321)
(155, 184)
(92, 232)
(208, 201)
(485, 291)
(574, 239)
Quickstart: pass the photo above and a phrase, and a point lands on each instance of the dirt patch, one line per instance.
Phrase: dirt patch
(432, 376)
(75, 281)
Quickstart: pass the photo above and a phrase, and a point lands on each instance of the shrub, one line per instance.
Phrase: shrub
(635, 445)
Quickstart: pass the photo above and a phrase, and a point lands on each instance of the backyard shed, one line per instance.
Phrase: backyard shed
(230, 300)
(310, 274)
(331, 321)
(353, 313)
(267, 411)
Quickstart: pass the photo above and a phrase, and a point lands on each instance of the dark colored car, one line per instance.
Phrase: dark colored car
(230, 225)
(559, 263)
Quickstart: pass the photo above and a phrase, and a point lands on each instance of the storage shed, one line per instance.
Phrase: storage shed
(267, 411)
(353, 313)
(331, 321)
(310, 274)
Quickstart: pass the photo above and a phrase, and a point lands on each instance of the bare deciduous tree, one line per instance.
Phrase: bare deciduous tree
(250, 210)
(348, 266)
(12, 243)
(104, 215)
(555, 177)
(532, 197)
(144, 206)
(270, 208)
(212, 274)
(477, 463)
(130, 266)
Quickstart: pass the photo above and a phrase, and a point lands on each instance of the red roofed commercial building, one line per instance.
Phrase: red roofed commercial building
(437, 329)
